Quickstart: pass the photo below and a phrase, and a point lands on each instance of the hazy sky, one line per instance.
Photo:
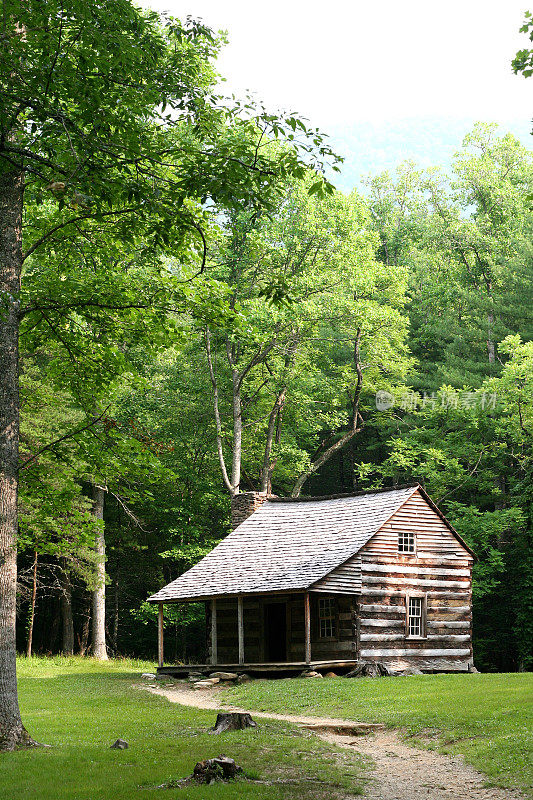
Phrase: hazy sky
(353, 65)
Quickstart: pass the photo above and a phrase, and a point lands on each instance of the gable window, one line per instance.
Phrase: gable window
(406, 542)
(326, 617)
(415, 608)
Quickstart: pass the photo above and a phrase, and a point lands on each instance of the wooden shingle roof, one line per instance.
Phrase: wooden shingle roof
(287, 545)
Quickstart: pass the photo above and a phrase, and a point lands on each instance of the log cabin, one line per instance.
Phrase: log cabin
(328, 583)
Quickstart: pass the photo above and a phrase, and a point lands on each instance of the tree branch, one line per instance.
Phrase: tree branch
(456, 488)
(72, 221)
(136, 521)
(266, 471)
(347, 437)
(217, 413)
(63, 438)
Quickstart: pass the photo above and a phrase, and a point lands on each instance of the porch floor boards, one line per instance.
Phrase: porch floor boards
(291, 667)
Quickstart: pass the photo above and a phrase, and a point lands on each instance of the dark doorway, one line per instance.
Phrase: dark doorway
(275, 632)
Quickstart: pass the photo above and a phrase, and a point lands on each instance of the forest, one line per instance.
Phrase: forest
(199, 312)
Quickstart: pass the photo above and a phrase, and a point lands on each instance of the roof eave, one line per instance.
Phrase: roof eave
(228, 596)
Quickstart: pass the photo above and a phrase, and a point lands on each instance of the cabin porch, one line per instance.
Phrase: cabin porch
(286, 670)
(275, 633)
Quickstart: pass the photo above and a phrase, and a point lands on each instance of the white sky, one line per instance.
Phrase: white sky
(342, 61)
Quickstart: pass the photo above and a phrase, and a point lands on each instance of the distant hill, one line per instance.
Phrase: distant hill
(372, 147)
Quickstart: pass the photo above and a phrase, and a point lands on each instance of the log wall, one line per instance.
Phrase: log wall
(371, 591)
(341, 646)
(440, 569)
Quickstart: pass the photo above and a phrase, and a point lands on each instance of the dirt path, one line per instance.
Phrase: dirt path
(398, 772)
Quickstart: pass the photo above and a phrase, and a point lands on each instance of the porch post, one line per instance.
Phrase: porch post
(240, 625)
(307, 619)
(214, 654)
(160, 635)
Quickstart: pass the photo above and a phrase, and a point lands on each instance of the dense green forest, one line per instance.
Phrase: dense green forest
(219, 318)
(423, 286)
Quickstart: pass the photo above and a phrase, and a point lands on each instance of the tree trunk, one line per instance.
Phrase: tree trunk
(491, 347)
(83, 640)
(356, 425)
(32, 606)
(12, 731)
(220, 449)
(237, 433)
(67, 646)
(98, 645)
(273, 420)
(116, 614)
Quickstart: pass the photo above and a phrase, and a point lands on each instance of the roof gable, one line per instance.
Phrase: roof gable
(287, 545)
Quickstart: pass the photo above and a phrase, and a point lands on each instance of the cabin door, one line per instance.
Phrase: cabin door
(275, 632)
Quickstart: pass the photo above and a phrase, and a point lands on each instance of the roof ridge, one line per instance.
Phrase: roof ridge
(360, 493)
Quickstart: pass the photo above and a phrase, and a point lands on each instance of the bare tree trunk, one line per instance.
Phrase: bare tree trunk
(218, 423)
(32, 606)
(491, 347)
(315, 465)
(67, 646)
(237, 433)
(274, 419)
(232, 354)
(267, 469)
(98, 645)
(116, 614)
(83, 640)
(12, 731)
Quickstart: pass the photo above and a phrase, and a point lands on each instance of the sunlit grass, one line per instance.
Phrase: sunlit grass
(488, 718)
(80, 706)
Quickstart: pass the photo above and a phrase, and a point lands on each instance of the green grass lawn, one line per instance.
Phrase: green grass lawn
(80, 707)
(488, 718)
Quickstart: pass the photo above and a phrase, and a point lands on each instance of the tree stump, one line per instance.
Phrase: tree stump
(120, 744)
(371, 669)
(216, 769)
(233, 721)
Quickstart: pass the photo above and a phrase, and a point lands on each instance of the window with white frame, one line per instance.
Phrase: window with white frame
(326, 617)
(416, 617)
(406, 542)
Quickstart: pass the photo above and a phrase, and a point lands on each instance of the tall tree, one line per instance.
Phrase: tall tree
(318, 313)
(98, 646)
(54, 515)
(108, 113)
(465, 240)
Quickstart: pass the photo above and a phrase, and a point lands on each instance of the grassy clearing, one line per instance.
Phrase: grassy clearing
(80, 707)
(487, 718)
